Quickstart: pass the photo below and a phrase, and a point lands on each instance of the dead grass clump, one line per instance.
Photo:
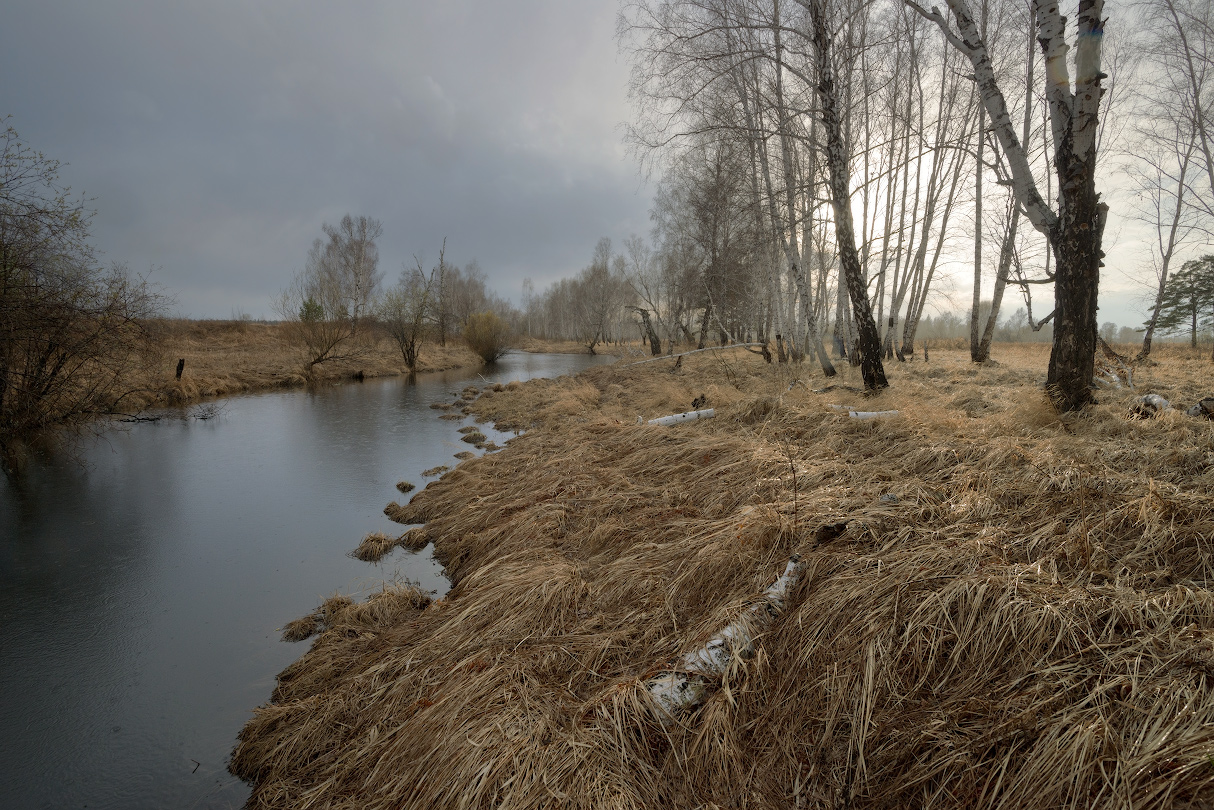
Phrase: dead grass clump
(433, 471)
(1027, 622)
(757, 410)
(464, 455)
(414, 539)
(474, 437)
(404, 486)
(412, 512)
(314, 623)
(374, 547)
(301, 628)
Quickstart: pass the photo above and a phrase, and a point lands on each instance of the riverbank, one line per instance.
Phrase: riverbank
(225, 358)
(993, 605)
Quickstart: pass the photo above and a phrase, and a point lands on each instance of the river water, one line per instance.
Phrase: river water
(143, 584)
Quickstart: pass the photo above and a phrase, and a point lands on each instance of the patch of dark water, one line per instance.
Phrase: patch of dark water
(142, 592)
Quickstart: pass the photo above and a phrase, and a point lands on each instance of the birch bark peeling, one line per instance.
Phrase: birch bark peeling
(686, 686)
(1087, 78)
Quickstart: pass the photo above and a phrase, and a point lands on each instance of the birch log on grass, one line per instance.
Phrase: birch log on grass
(686, 686)
(871, 414)
(690, 416)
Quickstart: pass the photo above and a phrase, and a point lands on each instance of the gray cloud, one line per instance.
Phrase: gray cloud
(217, 137)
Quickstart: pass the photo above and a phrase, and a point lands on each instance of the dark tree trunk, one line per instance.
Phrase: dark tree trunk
(1076, 247)
(655, 343)
(869, 341)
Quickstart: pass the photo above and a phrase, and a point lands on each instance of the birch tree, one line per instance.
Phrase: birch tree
(869, 341)
(329, 303)
(1076, 228)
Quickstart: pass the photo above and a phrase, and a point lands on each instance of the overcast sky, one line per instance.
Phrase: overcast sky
(217, 137)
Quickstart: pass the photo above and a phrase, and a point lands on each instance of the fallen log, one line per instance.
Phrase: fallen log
(1205, 408)
(871, 414)
(689, 416)
(1149, 406)
(686, 685)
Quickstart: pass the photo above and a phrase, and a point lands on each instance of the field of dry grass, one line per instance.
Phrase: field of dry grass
(998, 606)
(223, 358)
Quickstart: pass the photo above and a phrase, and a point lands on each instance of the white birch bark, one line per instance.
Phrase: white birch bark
(971, 44)
(679, 418)
(686, 685)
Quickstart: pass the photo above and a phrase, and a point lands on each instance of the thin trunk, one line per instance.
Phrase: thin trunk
(872, 370)
(1005, 265)
(979, 168)
(1167, 249)
(1009, 237)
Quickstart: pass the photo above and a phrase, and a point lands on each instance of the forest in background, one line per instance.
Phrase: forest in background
(730, 119)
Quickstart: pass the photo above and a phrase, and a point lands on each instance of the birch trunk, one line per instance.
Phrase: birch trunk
(795, 256)
(871, 368)
(1075, 231)
(1166, 250)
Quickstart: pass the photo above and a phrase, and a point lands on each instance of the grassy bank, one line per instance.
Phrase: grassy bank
(999, 607)
(223, 358)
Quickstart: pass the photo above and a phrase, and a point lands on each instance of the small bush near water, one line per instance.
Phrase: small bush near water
(487, 335)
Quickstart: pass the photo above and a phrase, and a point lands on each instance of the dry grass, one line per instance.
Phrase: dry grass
(1023, 620)
(374, 547)
(223, 358)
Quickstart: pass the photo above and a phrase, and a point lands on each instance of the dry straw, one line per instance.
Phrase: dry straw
(1023, 620)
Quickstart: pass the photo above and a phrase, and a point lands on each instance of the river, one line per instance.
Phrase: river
(144, 580)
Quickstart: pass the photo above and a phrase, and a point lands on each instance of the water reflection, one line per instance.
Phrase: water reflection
(141, 593)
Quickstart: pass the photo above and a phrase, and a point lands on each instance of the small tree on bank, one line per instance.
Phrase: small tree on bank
(403, 310)
(329, 303)
(71, 332)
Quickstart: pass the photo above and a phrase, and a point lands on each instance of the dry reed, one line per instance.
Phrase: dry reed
(1011, 608)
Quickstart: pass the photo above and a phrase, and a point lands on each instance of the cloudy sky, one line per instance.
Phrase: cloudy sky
(217, 137)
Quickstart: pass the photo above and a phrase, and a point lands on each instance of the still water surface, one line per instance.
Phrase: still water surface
(142, 587)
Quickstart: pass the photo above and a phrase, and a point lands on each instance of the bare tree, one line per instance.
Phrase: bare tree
(1170, 159)
(645, 279)
(838, 164)
(330, 302)
(403, 310)
(72, 334)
